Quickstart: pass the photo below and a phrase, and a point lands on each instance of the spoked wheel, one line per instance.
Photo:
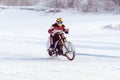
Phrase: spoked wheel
(69, 51)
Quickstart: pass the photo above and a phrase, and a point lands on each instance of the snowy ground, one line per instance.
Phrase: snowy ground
(23, 55)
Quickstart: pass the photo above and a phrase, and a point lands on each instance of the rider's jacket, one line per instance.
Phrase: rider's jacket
(56, 27)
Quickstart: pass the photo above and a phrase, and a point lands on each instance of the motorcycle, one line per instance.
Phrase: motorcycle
(62, 47)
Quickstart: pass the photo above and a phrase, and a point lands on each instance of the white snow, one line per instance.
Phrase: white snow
(23, 55)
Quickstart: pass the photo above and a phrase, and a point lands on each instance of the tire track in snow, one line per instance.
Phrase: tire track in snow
(79, 43)
(24, 40)
(98, 45)
(97, 55)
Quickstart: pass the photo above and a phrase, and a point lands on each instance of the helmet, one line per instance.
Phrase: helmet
(59, 20)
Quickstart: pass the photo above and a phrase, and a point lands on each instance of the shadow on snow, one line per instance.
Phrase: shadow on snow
(55, 58)
(33, 59)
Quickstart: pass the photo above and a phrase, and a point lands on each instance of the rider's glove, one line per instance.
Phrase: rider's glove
(66, 31)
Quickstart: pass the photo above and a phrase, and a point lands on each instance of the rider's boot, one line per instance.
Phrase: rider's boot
(51, 50)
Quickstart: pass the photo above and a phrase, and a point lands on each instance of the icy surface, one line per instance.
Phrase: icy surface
(23, 55)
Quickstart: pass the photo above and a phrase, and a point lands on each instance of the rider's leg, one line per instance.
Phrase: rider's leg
(53, 39)
(51, 43)
(56, 38)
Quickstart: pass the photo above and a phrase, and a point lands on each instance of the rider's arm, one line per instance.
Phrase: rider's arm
(66, 30)
(50, 30)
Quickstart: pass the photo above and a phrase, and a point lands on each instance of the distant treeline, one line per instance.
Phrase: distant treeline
(83, 5)
(18, 2)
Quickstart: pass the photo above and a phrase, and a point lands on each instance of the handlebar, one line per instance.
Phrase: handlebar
(61, 32)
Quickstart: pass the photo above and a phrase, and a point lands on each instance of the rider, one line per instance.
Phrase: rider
(56, 27)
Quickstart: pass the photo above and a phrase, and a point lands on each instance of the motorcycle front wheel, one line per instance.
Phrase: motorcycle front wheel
(69, 51)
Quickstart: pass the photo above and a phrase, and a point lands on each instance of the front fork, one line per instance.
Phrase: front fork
(63, 42)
